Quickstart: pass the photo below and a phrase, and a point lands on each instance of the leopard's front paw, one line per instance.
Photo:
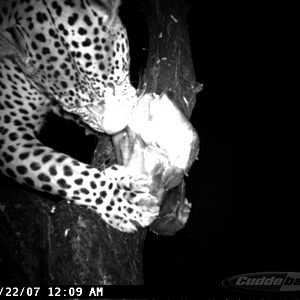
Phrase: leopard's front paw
(128, 214)
(139, 208)
(131, 204)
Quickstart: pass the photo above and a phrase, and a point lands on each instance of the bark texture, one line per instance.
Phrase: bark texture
(170, 66)
(46, 242)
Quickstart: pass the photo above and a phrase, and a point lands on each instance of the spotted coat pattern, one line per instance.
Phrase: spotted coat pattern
(70, 57)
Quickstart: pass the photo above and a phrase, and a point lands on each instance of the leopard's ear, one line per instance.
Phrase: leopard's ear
(111, 7)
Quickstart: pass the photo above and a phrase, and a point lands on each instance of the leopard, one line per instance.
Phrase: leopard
(70, 58)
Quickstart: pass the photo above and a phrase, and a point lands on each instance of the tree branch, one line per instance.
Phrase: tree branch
(49, 243)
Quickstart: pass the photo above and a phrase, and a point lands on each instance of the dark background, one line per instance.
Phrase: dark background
(248, 231)
(227, 234)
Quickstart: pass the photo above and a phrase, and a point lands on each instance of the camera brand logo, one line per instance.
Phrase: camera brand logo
(265, 282)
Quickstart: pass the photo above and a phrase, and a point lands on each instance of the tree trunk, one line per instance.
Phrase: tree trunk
(67, 244)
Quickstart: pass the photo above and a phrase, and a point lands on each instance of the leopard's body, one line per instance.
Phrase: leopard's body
(70, 57)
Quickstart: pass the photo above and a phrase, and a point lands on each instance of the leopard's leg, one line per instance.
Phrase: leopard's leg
(123, 201)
